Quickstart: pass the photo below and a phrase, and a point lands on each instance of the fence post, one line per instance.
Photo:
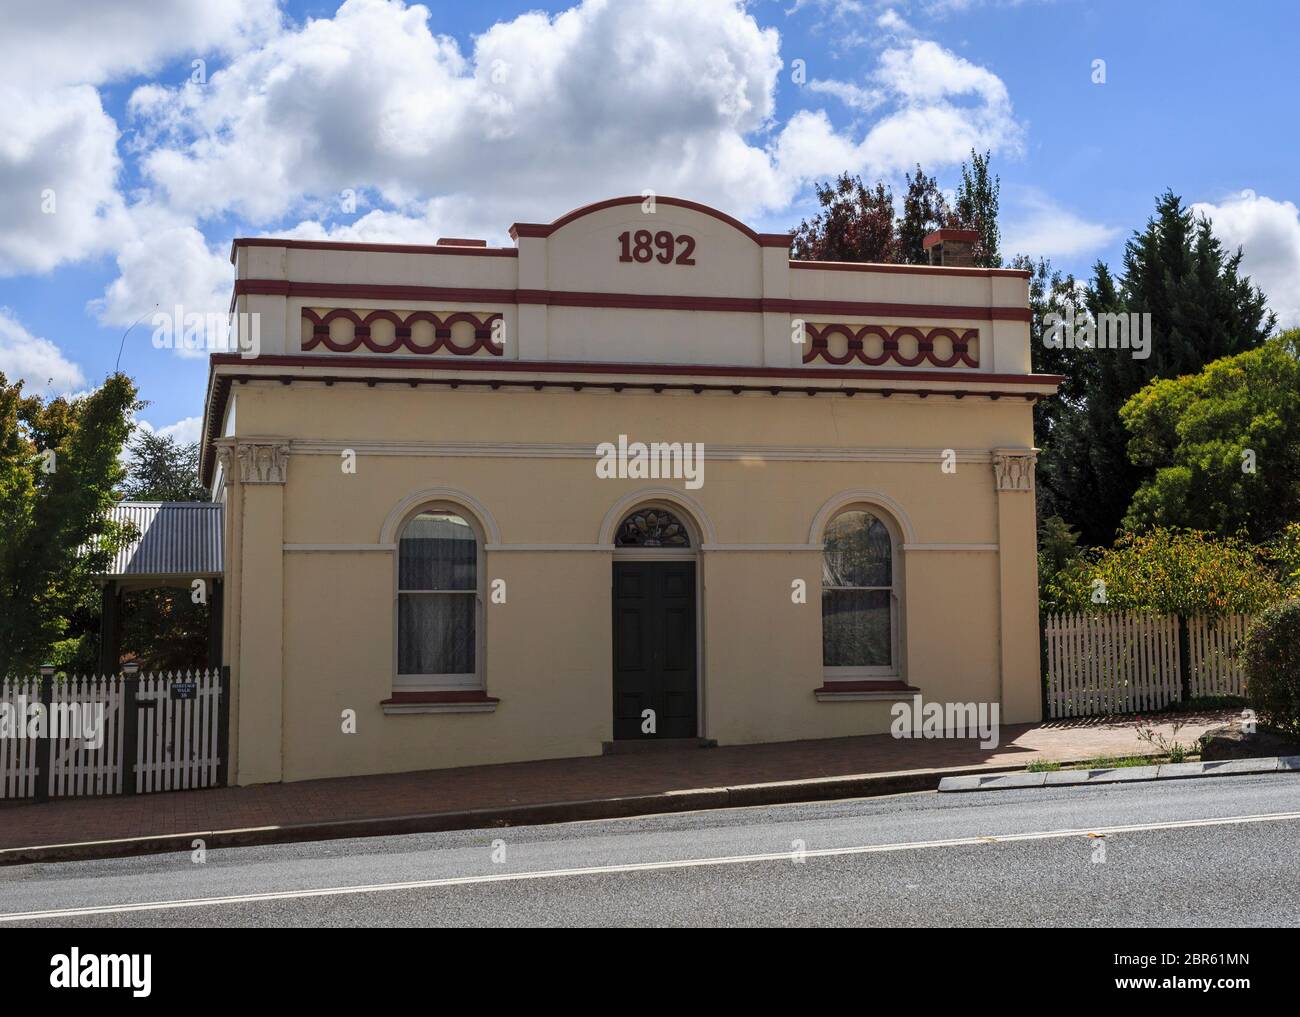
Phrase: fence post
(1042, 663)
(43, 744)
(223, 728)
(1184, 659)
(130, 726)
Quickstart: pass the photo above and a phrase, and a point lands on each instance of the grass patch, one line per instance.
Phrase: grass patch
(1042, 766)
(1115, 762)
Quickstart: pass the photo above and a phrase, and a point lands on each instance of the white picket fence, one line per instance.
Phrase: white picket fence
(177, 742)
(1118, 662)
(1216, 668)
(178, 739)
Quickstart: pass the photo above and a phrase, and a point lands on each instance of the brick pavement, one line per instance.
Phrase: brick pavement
(559, 780)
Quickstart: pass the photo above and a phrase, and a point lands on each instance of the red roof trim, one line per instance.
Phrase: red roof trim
(942, 375)
(534, 229)
(459, 247)
(642, 301)
(949, 270)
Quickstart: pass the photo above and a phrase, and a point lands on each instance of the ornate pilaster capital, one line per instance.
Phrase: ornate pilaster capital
(1013, 468)
(261, 460)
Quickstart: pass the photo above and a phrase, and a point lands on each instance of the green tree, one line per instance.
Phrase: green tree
(59, 464)
(162, 469)
(924, 210)
(1058, 547)
(1201, 309)
(976, 208)
(164, 629)
(1223, 444)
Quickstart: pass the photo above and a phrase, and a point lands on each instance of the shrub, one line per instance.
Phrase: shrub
(1169, 572)
(1270, 656)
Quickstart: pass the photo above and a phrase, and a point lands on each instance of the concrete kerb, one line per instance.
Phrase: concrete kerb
(978, 778)
(686, 800)
(1122, 774)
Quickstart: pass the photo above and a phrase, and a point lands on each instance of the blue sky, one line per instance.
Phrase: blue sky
(457, 119)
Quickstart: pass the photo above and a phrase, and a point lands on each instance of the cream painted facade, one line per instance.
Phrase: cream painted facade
(481, 382)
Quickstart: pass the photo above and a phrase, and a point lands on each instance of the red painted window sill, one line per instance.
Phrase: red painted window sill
(399, 698)
(840, 692)
(867, 686)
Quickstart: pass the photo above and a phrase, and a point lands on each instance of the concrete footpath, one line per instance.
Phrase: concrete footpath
(551, 791)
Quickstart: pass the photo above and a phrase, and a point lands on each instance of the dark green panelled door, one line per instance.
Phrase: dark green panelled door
(654, 649)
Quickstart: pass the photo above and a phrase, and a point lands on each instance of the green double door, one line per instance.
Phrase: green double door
(654, 650)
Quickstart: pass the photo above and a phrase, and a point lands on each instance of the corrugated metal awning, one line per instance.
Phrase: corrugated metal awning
(177, 538)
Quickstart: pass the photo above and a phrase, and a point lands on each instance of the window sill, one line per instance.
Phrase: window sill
(475, 701)
(888, 690)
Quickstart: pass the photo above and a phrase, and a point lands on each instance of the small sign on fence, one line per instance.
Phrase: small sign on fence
(152, 733)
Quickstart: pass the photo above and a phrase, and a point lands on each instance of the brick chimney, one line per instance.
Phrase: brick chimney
(951, 248)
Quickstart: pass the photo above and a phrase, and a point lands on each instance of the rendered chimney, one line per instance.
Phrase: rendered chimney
(951, 248)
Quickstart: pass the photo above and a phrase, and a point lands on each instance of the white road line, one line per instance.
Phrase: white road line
(685, 863)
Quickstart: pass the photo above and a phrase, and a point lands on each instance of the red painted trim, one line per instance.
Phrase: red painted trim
(402, 332)
(867, 686)
(939, 236)
(442, 247)
(459, 242)
(819, 347)
(674, 370)
(638, 301)
(439, 697)
(536, 229)
(863, 266)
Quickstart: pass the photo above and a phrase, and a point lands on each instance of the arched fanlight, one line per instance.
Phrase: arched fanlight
(652, 527)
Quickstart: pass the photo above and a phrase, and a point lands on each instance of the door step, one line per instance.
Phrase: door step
(625, 746)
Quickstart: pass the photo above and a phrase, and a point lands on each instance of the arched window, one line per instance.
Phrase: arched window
(859, 598)
(438, 602)
(652, 526)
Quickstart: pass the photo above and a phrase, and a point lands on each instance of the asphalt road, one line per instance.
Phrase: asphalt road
(1218, 851)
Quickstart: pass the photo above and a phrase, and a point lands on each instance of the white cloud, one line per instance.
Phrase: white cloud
(58, 171)
(602, 98)
(59, 42)
(59, 163)
(1043, 229)
(166, 263)
(853, 96)
(185, 431)
(36, 361)
(1268, 232)
(545, 113)
(942, 107)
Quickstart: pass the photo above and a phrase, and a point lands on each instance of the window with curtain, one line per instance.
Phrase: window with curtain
(858, 597)
(437, 602)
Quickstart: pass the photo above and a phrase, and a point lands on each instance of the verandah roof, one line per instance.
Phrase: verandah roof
(176, 538)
